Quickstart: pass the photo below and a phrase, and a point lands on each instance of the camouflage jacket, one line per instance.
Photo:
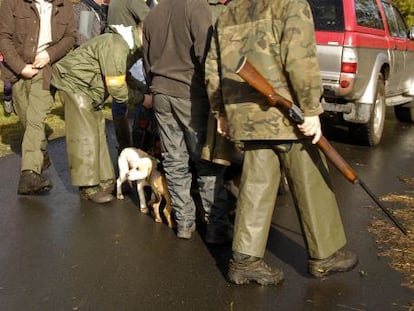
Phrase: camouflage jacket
(216, 6)
(278, 39)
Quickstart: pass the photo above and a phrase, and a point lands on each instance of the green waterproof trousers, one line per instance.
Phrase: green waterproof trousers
(308, 177)
(32, 104)
(88, 155)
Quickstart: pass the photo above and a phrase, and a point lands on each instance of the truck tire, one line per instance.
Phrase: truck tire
(371, 133)
(404, 114)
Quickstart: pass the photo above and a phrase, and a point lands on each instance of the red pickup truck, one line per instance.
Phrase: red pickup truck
(366, 55)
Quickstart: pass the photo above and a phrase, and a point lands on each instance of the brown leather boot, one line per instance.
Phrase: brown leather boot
(33, 183)
(95, 194)
(108, 186)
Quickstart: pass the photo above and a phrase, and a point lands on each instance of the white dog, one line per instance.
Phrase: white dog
(136, 165)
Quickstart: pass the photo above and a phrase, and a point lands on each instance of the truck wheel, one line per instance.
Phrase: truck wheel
(404, 114)
(371, 133)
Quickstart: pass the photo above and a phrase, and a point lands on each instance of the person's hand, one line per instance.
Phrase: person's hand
(41, 60)
(29, 71)
(147, 103)
(311, 127)
(223, 126)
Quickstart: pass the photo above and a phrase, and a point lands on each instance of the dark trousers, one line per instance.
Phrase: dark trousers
(182, 128)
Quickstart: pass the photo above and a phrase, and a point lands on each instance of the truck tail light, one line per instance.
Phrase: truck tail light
(349, 67)
(349, 60)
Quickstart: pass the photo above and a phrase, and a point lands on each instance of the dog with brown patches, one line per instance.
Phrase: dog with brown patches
(135, 165)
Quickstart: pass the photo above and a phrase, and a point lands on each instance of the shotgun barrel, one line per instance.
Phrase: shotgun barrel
(250, 74)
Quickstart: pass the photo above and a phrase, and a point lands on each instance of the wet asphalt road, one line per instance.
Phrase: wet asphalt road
(58, 252)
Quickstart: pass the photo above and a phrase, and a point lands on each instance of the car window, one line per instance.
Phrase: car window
(402, 27)
(328, 15)
(395, 22)
(391, 22)
(368, 14)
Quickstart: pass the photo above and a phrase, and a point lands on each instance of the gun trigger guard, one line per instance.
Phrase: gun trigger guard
(296, 114)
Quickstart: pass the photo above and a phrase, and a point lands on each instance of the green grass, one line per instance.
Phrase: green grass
(11, 130)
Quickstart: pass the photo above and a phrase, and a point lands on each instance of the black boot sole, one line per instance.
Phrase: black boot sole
(42, 190)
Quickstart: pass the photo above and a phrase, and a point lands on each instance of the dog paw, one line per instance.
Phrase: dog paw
(119, 196)
(144, 210)
(170, 223)
(158, 220)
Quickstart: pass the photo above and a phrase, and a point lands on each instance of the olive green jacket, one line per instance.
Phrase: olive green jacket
(127, 12)
(99, 67)
(278, 39)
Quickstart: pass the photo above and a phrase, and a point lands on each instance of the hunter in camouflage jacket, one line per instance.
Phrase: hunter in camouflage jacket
(260, 39)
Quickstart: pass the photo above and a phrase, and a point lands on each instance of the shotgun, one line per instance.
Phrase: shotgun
(250, 74)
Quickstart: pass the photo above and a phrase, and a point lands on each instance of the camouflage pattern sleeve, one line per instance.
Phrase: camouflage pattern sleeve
(213, 78)
(277, 37)
(298, 53)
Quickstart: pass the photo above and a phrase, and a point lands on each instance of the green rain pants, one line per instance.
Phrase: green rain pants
(307, 173)
(88, 154)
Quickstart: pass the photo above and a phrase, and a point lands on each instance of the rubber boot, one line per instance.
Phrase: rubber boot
(122, 133)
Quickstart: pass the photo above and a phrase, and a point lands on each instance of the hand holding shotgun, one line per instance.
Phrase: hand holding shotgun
(249, 73)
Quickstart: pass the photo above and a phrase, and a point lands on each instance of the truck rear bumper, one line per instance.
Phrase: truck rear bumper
(352, 112)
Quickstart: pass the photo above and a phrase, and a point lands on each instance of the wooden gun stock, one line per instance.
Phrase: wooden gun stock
(250, 74)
